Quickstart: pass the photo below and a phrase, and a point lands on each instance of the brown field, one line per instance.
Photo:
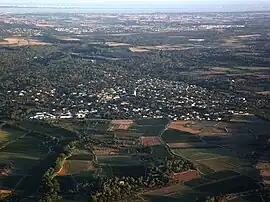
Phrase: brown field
(138, 50)
(22, 42)
(265, 174)
(221, 69)
(44, 25)
(5, 191)
(71, 167)
(264, 92)
(3, 135)
(150, 141)
(68, 39)
(61, 172)
(233, 42)
(183, 126)
(105, 151)
(116, 44)
(122, 121)
(248, 36)
(120, 125)
(252, 68)
(186, 176)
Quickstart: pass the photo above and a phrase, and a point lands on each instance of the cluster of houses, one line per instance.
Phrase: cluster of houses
(147, 98)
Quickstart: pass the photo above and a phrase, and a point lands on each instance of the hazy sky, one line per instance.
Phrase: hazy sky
(126, 2)
(169, 5)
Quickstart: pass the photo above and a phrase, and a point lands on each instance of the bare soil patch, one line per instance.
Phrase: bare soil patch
(186, 176)
(138, 50)
(22, 42)
(184, 126)
(44, 25)
(150, 140)
(71, 167)
(120, 125)
(264, 92)
(116, 44)
(121, 121)
(105, 151)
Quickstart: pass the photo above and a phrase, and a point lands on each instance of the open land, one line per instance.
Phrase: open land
(146, 107)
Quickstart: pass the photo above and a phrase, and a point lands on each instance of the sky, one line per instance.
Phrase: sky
(203, 5)
(133, 2)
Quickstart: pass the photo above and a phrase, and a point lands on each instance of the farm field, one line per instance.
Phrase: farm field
(116, 160)
(229, 185)
(46, 128)
(120, 125)
(170, 190)
(72, 167)
(147, 130)
(21, 42)
(8, 133)
(22, 154)
(184, 126)
(160, 151)
(156, 122)
(176, 136)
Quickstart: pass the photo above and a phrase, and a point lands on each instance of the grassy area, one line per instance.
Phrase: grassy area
(196, 182)
(155, 122)
(204, 169)
(221, 174)
(147, 130)
(46, 128)
(250, 198)
(233, 185)
(23, 154)
(160, 151)
(121, 160)
(201, 153)
(9, 182)
(176, 136)
(9, 133)
(28, 145)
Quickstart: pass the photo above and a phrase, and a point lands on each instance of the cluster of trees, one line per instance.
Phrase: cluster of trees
(117, 188)
(49, 188)
(266, 192)
(166, 165)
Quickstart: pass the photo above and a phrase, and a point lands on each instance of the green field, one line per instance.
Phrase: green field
(232, 185)
(147, 130)
(87, 157)
(202, 153)
(160, 151)
(250, 198)
(9, 133)
(120, 160)
(9, 182)
(196, 182)
(177, 136)
(221, 174)
(156, 122)
(23, 153)
(46, 128)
